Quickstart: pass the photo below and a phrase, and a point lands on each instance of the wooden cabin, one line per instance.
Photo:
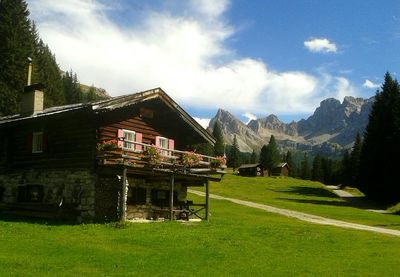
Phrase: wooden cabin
(282, 169)
(122, 158)
(251, 170)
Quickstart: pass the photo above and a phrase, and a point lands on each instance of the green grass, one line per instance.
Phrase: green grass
(353, 191)
(239, 241)
(300, 195)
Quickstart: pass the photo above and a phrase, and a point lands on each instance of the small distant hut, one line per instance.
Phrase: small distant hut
(251, 170)
(282, 169)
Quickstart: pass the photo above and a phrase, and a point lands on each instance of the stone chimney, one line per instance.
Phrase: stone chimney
(32, 100)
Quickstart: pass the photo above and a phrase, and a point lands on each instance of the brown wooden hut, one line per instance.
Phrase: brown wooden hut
(251, 170)
(121, 158)
(282, 169)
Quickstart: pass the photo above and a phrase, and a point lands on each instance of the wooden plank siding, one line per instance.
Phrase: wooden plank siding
(69, 141)
(135, 124)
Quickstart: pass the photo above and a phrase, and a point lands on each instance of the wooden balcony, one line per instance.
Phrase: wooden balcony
(164, 161)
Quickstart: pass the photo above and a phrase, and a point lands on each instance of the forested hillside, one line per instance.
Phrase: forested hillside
(20, 40)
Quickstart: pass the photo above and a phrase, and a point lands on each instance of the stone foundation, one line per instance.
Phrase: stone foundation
(69, 189)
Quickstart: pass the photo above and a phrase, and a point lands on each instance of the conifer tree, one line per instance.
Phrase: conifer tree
(15, 47)
(264, 156)
(292, 167)
(253, 157)
(305, 172)
(346, 169)
(317, 173)
(219, 140)
(381, 147)
(71, 88)
(46, 71)
(234, 155)
(273, 156)
(354, 161)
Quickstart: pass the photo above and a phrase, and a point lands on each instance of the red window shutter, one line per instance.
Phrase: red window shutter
(120, 136)
(139, 137)
(171, 144)
(158, 141)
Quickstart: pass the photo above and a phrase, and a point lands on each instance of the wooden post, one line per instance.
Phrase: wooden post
(207, 200)
(171, 198)
(123, 195)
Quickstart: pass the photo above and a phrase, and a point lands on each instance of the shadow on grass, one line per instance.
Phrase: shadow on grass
(318, 202)
(307, 191)
(36, 220)
(354, 202)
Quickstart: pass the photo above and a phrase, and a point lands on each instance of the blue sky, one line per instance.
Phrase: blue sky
(252, 58)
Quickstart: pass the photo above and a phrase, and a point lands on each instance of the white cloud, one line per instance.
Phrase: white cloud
(185, 53)
(249, 117)
(321, 45)
(203, 121)
(370, 84)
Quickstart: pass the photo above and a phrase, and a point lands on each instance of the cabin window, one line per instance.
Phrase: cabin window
(165, 143)
(137, 196)
(30, 193)
(37, 142)
(129, 139)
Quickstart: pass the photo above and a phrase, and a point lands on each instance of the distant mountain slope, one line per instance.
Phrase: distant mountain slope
(329, 129)
(100, 92)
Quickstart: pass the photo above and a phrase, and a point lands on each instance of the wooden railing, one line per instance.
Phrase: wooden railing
(166, 158)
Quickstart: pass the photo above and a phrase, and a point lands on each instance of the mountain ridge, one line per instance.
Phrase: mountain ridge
(331, 128)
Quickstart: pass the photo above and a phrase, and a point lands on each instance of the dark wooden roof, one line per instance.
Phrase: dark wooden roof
(115, 103)
(249, 165)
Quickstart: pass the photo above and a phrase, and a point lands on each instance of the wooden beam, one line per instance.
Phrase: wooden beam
(124, 193)
(207, 199)
(171, 198)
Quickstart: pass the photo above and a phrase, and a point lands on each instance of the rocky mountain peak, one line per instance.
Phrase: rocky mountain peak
(332, 122)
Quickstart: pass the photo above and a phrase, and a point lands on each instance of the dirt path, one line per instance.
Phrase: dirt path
(356, 201)
(302, 216)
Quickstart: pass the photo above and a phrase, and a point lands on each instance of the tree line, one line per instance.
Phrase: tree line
(20, 40)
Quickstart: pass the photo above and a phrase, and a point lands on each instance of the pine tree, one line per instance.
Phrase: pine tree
(381, 147)
(46, 71)
(354, 161)
(264, 156)
(292, 167)
(346, 169)
(317, 173)
(273, 156)
(234, 155)
(71, 88)
(15, 47)
(219, 140)
(253, 157)
(305, 172)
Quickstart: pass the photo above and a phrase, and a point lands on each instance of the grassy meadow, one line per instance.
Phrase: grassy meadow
(300, 195)
(238, 241)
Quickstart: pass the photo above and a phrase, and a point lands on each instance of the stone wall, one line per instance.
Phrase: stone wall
(72, 189)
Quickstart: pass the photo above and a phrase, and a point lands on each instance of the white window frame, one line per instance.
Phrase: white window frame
(129, 146)
(164, 152)
(37, 142)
